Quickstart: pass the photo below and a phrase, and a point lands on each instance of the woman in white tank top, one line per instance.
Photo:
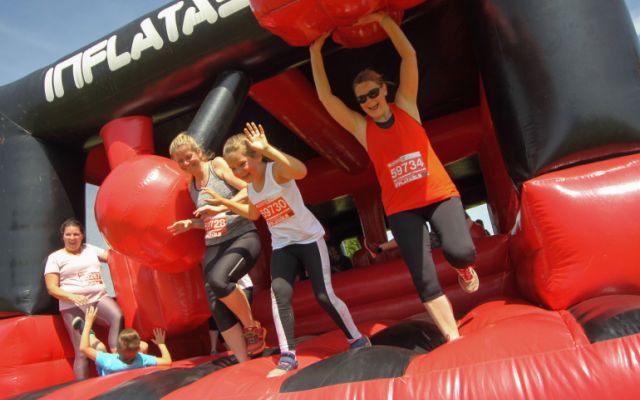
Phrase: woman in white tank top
(296, 235)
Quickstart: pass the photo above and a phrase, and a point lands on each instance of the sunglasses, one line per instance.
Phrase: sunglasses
(372, 94)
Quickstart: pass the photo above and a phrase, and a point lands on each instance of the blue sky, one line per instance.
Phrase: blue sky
(35, 33)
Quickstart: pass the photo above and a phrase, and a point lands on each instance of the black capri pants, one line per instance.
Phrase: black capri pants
(224, 264)
(410, 232)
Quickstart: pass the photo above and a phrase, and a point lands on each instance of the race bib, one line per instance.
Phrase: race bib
(215, 225)
(90, 278)
(275, 211)
(407, 168)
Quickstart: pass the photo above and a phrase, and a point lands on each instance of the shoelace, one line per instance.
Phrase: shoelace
(251, 336)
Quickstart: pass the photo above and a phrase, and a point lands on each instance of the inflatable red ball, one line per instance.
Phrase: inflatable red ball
(136, 203)
(300, 22)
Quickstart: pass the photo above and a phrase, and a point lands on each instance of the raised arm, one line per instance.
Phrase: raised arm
(165, 356)
(407, 94)
(350, 120)
(285, 167)
(85, 346)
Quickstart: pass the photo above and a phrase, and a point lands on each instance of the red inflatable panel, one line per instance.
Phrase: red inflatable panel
(149, 298)
(456, 135)
(299, 22)
(126, 137)
(96, 166)
(578, 233)
(137, 202)
(308, 119)
(371, 213)
(325, 181)
(36, 353)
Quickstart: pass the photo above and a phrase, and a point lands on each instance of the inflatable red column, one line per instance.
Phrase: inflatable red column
(143, 195)
(127, 137)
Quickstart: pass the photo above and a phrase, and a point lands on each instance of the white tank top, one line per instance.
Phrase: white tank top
(289, 220)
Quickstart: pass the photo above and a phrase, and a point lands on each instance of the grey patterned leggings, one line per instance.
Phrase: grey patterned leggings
(109, 315)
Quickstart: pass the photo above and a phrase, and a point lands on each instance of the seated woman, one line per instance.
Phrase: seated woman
(72, 275)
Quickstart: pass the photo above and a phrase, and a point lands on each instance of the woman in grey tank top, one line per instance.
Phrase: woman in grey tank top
(232, 245)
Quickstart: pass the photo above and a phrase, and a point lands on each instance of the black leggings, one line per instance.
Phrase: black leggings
(222, 310)
(224, 264)
(411, 234)
(284, 267)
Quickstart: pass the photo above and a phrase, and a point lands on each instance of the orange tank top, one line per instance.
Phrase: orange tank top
(409, 172)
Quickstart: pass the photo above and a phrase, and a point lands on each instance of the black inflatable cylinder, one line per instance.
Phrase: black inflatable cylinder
(210, 126)
(561, 79)
(42, 185)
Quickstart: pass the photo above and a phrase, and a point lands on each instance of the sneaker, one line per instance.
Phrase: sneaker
(287, 363)
(468, 279)
(361, 342)
(255, 338)
(78, 324)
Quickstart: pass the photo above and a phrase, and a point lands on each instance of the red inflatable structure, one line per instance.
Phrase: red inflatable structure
(557, 314)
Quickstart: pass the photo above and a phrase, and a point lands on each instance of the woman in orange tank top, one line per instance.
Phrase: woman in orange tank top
(415, 186)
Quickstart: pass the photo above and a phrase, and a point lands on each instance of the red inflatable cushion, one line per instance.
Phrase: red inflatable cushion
(300, 22)
(136, 203)
(578, 235)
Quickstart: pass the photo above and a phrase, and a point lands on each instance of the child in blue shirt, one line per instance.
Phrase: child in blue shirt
(129, 355)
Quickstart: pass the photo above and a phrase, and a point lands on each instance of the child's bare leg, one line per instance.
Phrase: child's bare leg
(234, 338)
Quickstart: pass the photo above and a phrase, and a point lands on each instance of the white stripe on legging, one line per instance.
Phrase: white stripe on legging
(277, 321)
(337, 303)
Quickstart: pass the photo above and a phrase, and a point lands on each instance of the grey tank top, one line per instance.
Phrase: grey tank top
(224, 226)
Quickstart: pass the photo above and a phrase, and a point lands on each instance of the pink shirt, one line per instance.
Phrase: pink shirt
(79, 273)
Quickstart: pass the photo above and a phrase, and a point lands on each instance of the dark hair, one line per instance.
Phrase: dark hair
(367, 75)
(71, 222)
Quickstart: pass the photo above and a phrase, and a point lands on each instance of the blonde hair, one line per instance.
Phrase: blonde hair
(184, 139)
(237, 142)
(128, 339)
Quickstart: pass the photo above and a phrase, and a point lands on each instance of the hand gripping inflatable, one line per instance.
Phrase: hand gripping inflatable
(300, 22)
(136, 203)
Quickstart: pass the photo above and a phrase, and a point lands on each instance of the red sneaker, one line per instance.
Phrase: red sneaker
(255, 338)
(468, 279)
